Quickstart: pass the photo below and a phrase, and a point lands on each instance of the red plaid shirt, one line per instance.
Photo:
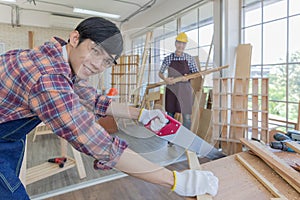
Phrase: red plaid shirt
(39, 82)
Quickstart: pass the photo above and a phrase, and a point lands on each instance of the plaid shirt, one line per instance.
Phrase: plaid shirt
(173, 57)
(39, 82)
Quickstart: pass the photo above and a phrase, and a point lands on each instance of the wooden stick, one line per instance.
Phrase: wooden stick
(30, 39)
(194, 164)
(189, 76)
(278, 165)
(297, 127)
(142, 68)
(268, 185)
(294, 145)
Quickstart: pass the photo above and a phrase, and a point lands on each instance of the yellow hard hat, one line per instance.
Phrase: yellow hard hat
(182, 37)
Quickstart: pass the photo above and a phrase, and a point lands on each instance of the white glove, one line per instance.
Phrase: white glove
(157, 116)
(195, 182)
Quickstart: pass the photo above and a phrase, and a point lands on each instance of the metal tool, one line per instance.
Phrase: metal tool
(177, 134)
(283, 138)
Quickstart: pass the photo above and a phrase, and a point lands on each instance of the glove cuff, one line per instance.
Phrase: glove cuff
(175, 181)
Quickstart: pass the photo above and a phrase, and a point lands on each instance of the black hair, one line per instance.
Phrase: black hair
(102, 32)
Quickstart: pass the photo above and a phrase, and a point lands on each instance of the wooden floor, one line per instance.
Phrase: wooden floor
(143, 142)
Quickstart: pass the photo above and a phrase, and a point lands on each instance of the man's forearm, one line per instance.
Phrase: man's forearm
(122, 110)
(135, 165)
(161, 76)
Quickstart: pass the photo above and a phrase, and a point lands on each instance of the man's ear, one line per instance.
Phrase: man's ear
(74, 38)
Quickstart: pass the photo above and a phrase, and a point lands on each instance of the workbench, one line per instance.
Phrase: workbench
(236, 183)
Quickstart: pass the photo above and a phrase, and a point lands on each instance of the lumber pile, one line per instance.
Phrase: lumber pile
(231, 111)
(278, 165)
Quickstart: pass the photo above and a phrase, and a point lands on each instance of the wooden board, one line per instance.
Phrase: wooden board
(189, 76)
(255, 107)
(261, 178)
(294, 145)
(142, 67)
(298, 119)
(282, 168)
(235, 183)
(45, 170)
(240, 101)
(30, 39)
(194, 164)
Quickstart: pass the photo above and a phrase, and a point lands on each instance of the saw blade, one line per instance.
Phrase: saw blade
(188, 140)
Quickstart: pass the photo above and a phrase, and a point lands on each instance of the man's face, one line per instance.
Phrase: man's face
(88, 59)
(180, 46)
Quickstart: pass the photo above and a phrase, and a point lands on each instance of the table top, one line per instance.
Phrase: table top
(236, 182)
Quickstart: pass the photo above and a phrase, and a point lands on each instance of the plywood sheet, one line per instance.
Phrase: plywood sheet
(236, 183)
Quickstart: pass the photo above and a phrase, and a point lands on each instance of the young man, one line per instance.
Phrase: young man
(179, 97)
(49, 84)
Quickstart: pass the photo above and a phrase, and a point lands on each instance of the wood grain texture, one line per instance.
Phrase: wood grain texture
(194, 164)
(294, 145)
(277, 164)
(260, 178)
(189, 76)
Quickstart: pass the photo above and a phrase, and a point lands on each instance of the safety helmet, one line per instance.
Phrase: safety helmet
(182, 37)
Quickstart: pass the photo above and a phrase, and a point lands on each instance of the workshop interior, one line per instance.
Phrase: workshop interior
(205, 91)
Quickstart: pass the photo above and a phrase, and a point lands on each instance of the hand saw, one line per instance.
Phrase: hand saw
(177, 134)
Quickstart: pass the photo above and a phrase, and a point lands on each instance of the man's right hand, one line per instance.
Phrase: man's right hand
(169, 80)
(195, 182)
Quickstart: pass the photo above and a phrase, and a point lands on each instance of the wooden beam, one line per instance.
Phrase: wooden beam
(30, 39)
(194, 164)
(189, 76)
(278, 165)
(261, 178)
(142, 68)
(294, 145)
(297, 127)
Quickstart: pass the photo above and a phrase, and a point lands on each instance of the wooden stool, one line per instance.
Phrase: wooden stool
(47, 169)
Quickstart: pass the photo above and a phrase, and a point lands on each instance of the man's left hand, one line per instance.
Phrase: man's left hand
(184, 79)
(147, 115)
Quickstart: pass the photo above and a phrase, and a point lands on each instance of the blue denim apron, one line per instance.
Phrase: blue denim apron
(12, 147)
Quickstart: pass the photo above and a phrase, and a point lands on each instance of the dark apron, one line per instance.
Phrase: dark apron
(179, 96)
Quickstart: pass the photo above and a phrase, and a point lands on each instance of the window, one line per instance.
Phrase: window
(271, 26)
(197, 24)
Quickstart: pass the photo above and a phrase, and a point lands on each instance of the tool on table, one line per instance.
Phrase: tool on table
(282, 139)
(59, 160)
(176, 133)
(294, 135)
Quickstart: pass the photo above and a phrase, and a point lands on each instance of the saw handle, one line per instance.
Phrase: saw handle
(170, 128)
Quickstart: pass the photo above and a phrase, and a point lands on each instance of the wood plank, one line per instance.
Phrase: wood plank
(240, 85)
(261, 178)
(224, 113)
(45, 170)
(265, 107)
(255, 108)
(142, 67)
(297, 127)
(30, 39)
(215, 115)
(278, 165)
(79, 163)
(294, 145)
(189, 76)
(194, 164)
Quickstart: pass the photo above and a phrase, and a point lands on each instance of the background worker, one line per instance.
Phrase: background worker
(179, 96)
(49, 84)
